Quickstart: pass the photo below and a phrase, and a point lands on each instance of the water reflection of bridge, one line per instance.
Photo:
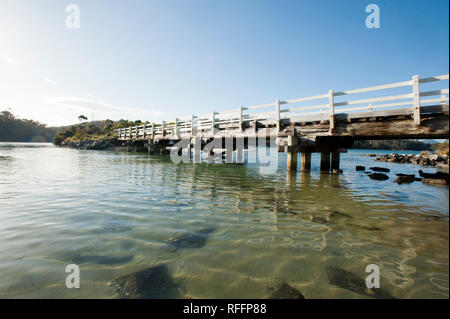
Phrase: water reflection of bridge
(416, 108)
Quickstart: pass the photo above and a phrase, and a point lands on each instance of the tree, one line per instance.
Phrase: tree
(82, 118)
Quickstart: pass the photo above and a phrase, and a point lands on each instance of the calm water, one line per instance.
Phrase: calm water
(114, 213)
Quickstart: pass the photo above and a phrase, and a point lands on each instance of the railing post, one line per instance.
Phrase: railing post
(144, 130)
(331, 102)
(241, 116)
(137, 130)
(163, 127)
(153, 129)
(370, 107)
(193, 132)
(213, 121)
(176, 127)
(416, 99)
(277, 114)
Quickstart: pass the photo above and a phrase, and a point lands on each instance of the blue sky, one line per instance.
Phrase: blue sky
(154, 60)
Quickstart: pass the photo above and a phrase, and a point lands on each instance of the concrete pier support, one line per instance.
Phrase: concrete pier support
(335, 160)
(292, 155)
(306, 161)
(325, 161)
(292, 161)
(150, 146)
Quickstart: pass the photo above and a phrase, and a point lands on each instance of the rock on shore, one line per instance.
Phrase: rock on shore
(100, 144)
(379, 176)
(420, 159)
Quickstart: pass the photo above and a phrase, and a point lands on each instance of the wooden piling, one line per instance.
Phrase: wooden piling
(292, 155)
(150, 146)
(335, 160)
(325, 161)
(306, 161)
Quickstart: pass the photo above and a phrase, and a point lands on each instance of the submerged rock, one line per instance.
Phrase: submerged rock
(153, 282)
(370, 228)
(337, 171)
(434, 181)
(347, 280)
(284, 291)
(195, 240)
(437, 175)
(438, 178)
(114, 226)
(405, 179)
(380, 169)
(379, 176)
(319, 219)
(102, 260)
(360, 168)
(338, 214)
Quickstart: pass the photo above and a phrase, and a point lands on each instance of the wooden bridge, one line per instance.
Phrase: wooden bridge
(329, 123)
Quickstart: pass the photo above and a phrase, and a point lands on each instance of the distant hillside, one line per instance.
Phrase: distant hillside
(13, 129)
(90, 131)
(412, 145)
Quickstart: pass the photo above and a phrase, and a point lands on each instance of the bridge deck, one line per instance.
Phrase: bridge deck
(329, 125)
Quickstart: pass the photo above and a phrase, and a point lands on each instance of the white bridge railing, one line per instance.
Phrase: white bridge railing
(409, 95)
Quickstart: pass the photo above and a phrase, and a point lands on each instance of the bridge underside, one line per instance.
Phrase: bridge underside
(302, 136)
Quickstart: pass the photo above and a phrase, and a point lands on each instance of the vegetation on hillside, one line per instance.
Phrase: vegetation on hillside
(91, 131)
(13, 129)
(441, 148)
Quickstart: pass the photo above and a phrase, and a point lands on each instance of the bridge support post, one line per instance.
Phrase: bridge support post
(196, 149)
(292, 161)
(150, 146)
(325, 161)
(335, 160)
(306, 161)
(292, 155)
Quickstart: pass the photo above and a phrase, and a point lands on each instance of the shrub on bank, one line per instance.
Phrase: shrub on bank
(91, 131)
(442, 148)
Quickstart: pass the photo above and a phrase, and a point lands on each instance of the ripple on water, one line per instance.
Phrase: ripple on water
(237, 233)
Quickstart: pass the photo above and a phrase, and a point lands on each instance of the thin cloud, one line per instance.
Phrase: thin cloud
(10, 60)
(91, 105)
(50, 81)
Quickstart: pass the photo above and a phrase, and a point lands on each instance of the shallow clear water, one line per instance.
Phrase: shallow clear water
(114, 214)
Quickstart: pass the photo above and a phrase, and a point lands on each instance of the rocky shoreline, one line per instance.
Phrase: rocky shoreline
(433, 160)
(100, 144)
